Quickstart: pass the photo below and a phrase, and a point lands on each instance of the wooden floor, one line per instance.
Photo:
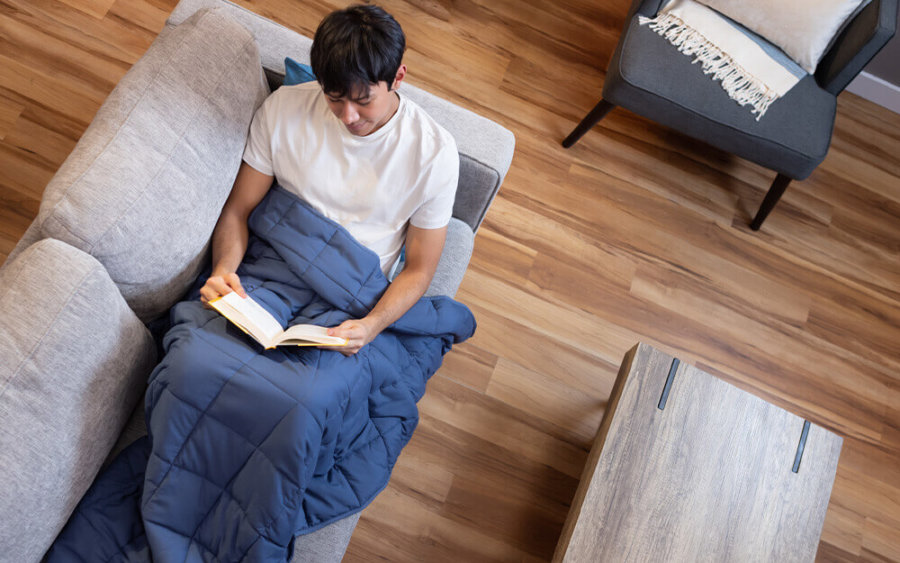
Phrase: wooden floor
(636, 233)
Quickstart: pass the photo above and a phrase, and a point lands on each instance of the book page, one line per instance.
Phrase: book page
(309, 335)
(249, 316)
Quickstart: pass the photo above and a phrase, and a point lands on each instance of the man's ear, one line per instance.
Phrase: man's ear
(398, 78)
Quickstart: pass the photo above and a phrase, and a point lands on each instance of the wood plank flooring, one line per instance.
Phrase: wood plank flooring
(636, 233)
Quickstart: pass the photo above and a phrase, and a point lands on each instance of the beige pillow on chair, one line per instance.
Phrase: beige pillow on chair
(803, 29)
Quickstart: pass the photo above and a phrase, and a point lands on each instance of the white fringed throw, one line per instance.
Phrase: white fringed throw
(744, 69)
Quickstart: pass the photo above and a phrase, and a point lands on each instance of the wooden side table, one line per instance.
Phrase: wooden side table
(687, 467)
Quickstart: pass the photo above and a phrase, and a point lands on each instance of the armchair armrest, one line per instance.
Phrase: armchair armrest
(454, 259)
(858, 43)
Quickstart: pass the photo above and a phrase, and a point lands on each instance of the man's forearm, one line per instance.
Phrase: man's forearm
(229, 240)
(402, 293)
(229, 243)
(423, 252)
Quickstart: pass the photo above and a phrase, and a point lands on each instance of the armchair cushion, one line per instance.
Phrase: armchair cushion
(751, 70)
(648, 77)
(74, 360)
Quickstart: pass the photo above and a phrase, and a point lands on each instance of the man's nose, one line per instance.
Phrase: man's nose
(349, 114)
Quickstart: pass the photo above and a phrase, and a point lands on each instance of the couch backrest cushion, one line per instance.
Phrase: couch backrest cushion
(145, 184)
(74, 360)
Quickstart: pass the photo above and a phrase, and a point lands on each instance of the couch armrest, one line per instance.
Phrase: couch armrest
(31, 235)
(858, 43)
(325, 545)
(73, 361)
(454, 259)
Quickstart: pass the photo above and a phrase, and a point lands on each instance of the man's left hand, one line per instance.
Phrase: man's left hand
(358, 333)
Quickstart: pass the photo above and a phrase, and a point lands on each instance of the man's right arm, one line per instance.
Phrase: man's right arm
(229, 240)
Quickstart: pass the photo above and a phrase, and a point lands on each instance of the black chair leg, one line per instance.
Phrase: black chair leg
(772, 196)
(599, 112)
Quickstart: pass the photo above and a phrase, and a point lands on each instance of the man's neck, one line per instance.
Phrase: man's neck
(395, 106)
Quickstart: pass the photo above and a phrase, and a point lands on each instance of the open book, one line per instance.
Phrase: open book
(249, 316)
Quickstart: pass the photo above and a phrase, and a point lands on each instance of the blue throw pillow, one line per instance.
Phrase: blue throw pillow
(297, 73)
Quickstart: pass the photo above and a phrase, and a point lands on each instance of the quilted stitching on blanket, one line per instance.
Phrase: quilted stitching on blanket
(248, 447)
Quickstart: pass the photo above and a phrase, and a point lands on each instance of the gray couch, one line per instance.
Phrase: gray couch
(122, 231)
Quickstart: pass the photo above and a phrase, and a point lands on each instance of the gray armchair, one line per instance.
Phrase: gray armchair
(651, 78)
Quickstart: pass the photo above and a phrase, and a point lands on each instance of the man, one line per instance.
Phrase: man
(358, 153)
(248, 449)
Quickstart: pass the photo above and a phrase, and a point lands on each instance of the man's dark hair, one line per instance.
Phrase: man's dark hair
(356, 47)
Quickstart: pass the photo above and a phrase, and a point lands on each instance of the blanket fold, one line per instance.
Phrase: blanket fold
(249, 447)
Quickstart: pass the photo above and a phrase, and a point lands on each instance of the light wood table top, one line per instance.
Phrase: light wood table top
(703, 472)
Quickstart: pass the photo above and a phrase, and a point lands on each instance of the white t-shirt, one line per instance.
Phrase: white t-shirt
(404, 173)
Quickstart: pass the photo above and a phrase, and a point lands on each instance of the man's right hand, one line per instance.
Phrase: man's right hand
(217, 286)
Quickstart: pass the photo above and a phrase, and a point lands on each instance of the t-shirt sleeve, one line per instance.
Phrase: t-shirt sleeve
(440, 180)
(258, 152)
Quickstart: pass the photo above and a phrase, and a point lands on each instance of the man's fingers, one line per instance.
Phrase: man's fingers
(217, 286)
(209, 292)
(352, 331)
(234, 282)
(355, 334)
(350, 349)
(342, 330)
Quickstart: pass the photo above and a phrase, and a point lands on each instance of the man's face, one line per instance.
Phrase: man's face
(364, 111)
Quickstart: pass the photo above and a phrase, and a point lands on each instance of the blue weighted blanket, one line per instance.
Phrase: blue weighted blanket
(247, 447)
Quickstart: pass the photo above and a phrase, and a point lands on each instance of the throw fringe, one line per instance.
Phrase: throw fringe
(739, 84)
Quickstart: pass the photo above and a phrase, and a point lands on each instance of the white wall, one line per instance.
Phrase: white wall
(880, 81)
